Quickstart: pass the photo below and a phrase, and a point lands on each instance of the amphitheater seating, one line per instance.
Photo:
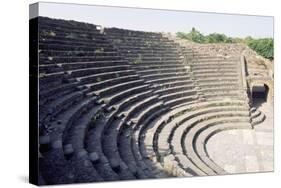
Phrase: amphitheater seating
(165, 71)
(118, 104)
(216, 76)
(165, 137)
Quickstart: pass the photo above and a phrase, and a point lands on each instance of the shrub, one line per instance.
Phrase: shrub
(193, 35)
(263, 47)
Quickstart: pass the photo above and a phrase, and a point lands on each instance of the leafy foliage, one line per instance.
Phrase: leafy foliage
(263, 47)
(193, 35)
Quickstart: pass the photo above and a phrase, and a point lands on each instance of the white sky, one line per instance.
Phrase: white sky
(162, 20)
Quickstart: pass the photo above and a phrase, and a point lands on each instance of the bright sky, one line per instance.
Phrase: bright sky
(162, 20)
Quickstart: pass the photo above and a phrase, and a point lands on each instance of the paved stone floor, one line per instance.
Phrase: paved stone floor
(242, 151)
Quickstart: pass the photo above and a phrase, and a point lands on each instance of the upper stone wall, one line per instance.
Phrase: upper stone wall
(256, 64)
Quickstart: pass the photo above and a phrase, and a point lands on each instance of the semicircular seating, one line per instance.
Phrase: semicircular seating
(172, 139)
(216, 76)
(118, 104)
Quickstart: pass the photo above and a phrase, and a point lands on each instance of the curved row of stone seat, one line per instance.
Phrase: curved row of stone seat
(188, 138)
(121, 123)
(69, 147)
(204, 66)
(215, 74)
(53, 141)
(115, 160)
(106, 94)
(71, 116)
(67, 31)
(162, 79)
(162, 135)
(131, 33)
(213, 70)
(150, 76)
(86, 83)
(212, 59)
(148, 52)
(126, 136)
(75, 48)
(68, 24)
(161, 76)
(220, 74)
(61, 67)
(68, 136)
(257, 116)
(66, 59)
(122, 134)
(126, 109)
(202, 140)
(143, 43)
(82, 170)
(59, 40)
(53, 74)
(146, 66)
(48, 53)
(106, 103)
(104, 78)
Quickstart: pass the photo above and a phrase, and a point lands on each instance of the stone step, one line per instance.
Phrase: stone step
(167, 81)
(110, 82)
(55, 106)
(160, 76)
(65, 24)
(181, 86)
(97, 70)
(137, 106)
(114, 98)
(88, 47)
(59, 40)
(72, 67)
(149, 53)
(177, 94)
(157, 62)
(155, 67)
(58, 36)
(48, 95)
(144, 51)
(204, 136)
(257, 116)
(191, 135)
(117, 88)
(155, 58)
(104, 76)
(161, 71)
(78, 53)
(67, 31)
(205, 67)
(130, 48)
(212, 71)
(128, 101)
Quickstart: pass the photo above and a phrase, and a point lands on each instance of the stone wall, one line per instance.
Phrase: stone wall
(258, 68)
(254, 61)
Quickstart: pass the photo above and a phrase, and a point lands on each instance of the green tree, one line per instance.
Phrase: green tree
(193, 35)
(263, 47)
(216, 38)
